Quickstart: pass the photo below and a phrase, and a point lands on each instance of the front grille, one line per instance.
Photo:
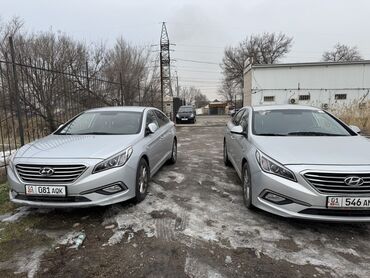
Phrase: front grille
(333, 183)
(68, 199)
(61, 173)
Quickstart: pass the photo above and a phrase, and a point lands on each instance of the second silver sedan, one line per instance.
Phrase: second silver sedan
(301, 162)
(100, 157)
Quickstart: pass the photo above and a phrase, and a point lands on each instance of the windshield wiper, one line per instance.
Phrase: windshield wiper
(313, 133)
(271, 134)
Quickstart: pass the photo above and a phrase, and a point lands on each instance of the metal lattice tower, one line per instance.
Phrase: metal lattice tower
(165, 63)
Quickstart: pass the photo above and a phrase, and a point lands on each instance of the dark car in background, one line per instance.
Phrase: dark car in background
(186, 114)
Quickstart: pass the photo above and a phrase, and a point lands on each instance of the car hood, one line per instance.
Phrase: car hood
(77, 146)
(341, 150)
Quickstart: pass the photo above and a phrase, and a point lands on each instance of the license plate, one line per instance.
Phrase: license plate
(46, 190)
(348, 202)
(184, 119)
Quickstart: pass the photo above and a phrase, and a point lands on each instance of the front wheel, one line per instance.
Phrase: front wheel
(247, 187)
(226, 157)
(142, 180)
(173, 158)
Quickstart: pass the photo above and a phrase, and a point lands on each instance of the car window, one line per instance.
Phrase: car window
(151, 118)
(186, 109)
(238, 116)
(296, 122)
(103, 123)
(162, 118)
(244, 120)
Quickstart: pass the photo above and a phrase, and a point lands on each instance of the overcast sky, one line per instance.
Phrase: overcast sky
(202, 28)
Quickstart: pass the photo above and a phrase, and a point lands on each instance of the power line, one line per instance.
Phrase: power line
(197, 61)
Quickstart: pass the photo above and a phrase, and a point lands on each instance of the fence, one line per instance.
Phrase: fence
(35, 100)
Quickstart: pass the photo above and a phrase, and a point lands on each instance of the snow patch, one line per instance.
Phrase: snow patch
(170, 176)
(21, 212)
(30, 264)
(196, 269)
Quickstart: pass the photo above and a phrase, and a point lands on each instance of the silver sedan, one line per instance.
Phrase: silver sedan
(300, 162)
(100, 157)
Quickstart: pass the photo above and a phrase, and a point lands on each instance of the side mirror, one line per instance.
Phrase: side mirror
(152, 127)
(238, 129)
(355, 128)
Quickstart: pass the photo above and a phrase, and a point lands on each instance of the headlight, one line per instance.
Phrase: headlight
(117, 160)
(192, 116)
(271, 166)
(177, 116)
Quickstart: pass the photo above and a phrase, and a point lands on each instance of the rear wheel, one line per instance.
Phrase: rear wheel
(247, 187)
(226, 157)
(142, 180)
(173, 158)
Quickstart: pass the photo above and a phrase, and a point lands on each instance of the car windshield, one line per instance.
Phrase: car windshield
(296, 122)
(103, 123)
(186, 109)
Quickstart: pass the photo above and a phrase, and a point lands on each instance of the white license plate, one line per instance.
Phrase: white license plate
(184, 119)
(348, 202)
(46, 190)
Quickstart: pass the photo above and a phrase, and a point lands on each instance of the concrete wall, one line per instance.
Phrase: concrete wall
(321, 81)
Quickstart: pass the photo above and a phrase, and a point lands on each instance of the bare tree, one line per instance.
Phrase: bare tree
(200, 100)
(266, 48)
(229, 91)
(129, 65)
(342, 53)
(193, 96)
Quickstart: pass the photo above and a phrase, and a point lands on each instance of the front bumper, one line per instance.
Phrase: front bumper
(81, 193)
(307, 203)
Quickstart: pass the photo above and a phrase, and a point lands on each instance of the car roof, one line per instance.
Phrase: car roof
(120, 108)
(284, 107)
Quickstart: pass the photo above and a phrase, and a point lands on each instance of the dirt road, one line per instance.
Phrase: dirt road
(192, 224)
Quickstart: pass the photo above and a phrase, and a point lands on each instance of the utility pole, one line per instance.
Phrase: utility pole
(165, 65)
(177, 86)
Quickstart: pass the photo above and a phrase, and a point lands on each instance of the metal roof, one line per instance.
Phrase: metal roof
(311, 64)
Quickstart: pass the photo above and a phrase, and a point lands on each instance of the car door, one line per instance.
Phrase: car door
(154, 143)
(165, 134)
(230, 137)
(240, 142)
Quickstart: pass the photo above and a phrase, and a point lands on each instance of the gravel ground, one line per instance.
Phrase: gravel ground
(192, 224)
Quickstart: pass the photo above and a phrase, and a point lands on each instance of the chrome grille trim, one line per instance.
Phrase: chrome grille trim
(30, 173)
(333, 182)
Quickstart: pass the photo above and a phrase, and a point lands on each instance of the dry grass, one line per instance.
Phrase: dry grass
(354, 115)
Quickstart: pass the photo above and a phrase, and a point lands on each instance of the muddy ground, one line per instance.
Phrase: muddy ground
(192, 224)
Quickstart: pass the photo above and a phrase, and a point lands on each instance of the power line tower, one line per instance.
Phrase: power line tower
(165, 64)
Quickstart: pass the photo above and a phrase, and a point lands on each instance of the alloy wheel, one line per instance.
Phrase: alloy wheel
(143, 180)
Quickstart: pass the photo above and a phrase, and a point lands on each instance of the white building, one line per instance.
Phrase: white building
(326, 85)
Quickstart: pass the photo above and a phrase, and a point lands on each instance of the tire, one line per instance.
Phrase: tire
(226, 157)
(247, 187)
(173, 158)
(142, 180)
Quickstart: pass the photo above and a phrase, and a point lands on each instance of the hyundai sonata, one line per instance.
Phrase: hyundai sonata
(100, 157)
(300, 162)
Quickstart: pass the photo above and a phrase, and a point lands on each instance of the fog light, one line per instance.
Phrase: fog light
(113, 189)
(277, 199)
